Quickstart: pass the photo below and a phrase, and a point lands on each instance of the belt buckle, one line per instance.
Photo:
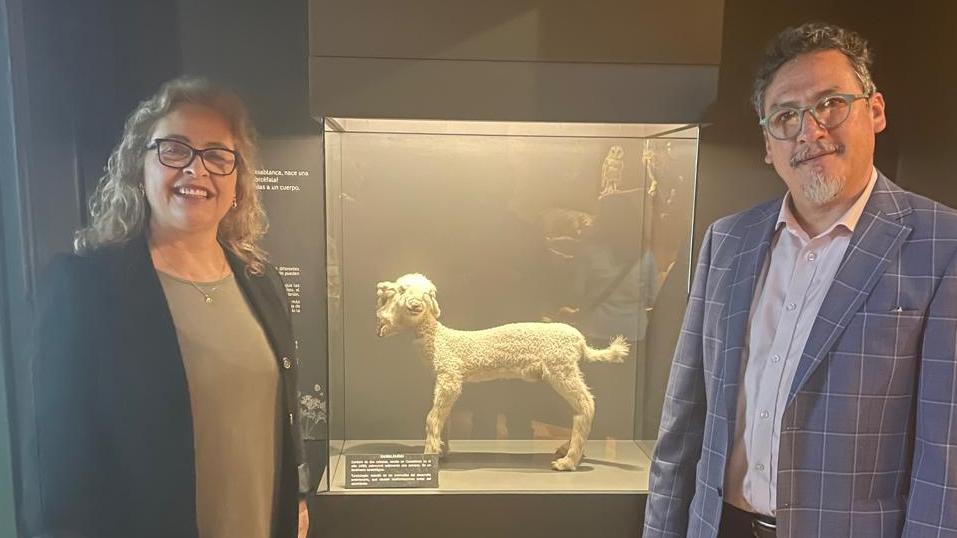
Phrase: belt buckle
(762, 529)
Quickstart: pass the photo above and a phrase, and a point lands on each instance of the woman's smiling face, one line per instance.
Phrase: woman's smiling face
(189, 200)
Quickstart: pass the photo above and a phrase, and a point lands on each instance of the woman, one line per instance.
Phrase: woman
(165, 371)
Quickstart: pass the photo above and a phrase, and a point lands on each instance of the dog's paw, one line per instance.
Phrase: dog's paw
(435, 448)
(564, 464)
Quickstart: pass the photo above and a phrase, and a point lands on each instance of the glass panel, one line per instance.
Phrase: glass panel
(584, 224)
(336, 369)
(669, 166)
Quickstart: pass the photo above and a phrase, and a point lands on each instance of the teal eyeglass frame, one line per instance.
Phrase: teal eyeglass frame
(765, 122)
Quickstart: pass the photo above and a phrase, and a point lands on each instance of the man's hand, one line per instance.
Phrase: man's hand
(303, 519)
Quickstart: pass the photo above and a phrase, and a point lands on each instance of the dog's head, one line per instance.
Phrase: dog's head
(405, 303)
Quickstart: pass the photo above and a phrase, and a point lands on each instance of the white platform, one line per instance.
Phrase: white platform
(512, 466)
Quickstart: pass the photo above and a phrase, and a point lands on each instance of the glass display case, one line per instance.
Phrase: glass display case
(546, 268)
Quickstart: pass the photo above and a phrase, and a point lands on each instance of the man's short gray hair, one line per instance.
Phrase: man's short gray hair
(812, 37)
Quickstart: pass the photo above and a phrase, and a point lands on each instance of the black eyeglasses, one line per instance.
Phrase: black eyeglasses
(177, 154)
(829, 112)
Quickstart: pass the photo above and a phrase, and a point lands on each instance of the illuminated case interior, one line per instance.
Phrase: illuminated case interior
(588, 224)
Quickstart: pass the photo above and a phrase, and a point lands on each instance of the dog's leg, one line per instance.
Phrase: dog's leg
(445, 438)
(562, 450)
(447, 390)
(572, 387)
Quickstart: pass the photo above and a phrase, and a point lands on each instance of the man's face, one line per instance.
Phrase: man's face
(823, 167)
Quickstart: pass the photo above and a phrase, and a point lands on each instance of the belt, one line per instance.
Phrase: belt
(737, 523)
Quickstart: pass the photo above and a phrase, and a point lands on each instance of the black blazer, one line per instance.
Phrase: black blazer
(114, 430)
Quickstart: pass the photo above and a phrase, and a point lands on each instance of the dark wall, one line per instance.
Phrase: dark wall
(260, 49)
(926, 112)
(641, 61)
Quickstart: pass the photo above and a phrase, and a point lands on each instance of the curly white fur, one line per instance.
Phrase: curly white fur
(547, 352)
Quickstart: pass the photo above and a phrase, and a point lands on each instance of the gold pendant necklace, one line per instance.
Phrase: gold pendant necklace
(207, 295)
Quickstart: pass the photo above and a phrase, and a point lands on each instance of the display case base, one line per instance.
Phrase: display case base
(511, 466)
(515, 515)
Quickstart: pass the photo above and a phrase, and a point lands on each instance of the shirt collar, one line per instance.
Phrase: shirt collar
(848, 220)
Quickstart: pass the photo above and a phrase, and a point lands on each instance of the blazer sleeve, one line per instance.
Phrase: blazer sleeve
(63, 373)
(671, 482)
(932, 502)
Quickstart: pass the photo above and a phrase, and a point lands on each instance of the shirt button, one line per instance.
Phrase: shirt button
(775, 358)
(286, 363)
(791, 306)
(759, 467)
(765, 414)
(811, 256)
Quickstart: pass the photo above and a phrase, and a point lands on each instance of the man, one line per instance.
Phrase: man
(814, 386)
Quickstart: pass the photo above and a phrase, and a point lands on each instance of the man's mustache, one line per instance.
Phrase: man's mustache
(810, 152)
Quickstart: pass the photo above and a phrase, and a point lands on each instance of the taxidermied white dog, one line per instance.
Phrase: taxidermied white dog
(531, 351)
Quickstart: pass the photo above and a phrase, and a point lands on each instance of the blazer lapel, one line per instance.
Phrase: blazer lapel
(746, 269)
(147, 315)
(876, 240)
(266, 305)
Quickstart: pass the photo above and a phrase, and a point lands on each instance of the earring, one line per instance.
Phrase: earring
(235, 203)
(141, 188)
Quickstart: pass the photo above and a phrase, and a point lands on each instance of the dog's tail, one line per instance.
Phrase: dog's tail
(616, 351)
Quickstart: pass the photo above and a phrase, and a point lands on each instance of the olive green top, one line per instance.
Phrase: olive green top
(233, 383)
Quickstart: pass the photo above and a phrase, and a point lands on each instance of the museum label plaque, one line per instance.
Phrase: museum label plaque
(392, 471)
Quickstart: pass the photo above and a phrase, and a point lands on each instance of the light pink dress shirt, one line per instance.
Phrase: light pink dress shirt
(796, 276)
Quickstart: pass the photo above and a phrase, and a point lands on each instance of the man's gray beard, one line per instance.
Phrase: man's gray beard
(823, 189)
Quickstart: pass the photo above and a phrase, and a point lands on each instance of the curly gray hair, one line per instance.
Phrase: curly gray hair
(119, 210)
(812, 37)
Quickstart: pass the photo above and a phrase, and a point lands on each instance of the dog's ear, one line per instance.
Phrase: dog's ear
(384, 290)
(433, 304)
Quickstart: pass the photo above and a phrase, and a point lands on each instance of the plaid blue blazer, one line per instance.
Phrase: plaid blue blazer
(869, 437)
